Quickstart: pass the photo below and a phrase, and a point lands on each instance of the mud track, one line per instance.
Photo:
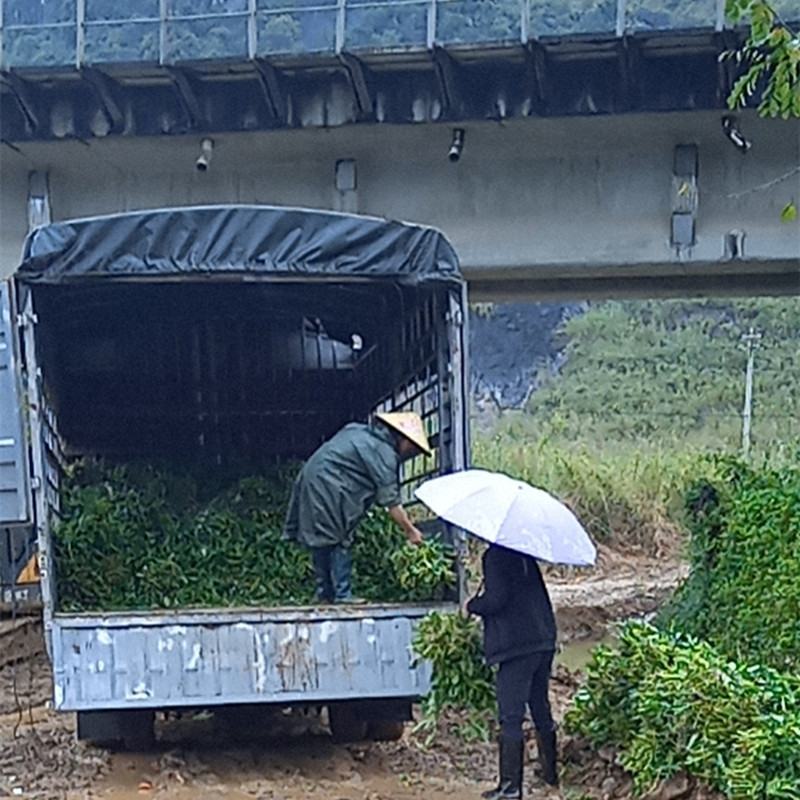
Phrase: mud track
(295, 758)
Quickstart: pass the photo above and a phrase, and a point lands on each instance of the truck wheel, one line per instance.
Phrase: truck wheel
(346, 724)
(131, 730)
(386, 730)
(138, 731)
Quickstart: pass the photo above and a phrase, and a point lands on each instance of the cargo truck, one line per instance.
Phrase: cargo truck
(215, 335)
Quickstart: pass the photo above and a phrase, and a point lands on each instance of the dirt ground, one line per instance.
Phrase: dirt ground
(195, 759)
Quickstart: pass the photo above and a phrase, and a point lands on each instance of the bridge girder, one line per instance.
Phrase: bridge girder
(537, 208)
(542, 79)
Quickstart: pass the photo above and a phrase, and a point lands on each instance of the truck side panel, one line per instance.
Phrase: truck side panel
(14, 483)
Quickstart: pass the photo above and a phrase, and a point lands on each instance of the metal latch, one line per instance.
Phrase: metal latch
(25, 319)
(456, 316)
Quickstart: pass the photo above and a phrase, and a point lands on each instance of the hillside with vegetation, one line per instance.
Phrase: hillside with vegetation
(675, 370)
(631, 394)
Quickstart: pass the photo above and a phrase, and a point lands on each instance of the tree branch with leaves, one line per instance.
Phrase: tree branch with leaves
(770, 57)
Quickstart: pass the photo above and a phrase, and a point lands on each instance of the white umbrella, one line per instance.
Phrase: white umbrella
(510, 513)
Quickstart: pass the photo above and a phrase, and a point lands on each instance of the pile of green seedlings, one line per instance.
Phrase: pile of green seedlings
(671, 703)
(714, 690)
(142, 537)
(743, 594)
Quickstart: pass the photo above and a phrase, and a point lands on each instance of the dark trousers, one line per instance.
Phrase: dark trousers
(333, 568)
(521, 682)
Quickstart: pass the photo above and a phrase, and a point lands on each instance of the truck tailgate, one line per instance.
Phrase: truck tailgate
(211, 657)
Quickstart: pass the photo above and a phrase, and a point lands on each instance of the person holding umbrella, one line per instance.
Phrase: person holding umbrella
(522, 524)
(519, 630)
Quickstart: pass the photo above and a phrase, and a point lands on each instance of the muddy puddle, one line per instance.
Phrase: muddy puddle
(576, 655)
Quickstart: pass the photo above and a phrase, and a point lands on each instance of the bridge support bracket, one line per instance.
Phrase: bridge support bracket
(447, 77)
(186, 85)
(359, 79)
(25, 96)
(536, 68)
(271, 82)
(727, 41)
(630, 71)
(107, 90)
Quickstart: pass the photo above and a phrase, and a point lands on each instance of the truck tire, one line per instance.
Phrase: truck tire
(346, 723)
(386, 730)
(128, 730)
(138, 733)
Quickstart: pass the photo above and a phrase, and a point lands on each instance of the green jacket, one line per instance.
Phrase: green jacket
(357, 468)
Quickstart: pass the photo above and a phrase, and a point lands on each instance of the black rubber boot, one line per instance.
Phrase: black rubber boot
(548, 753)
(511, 755)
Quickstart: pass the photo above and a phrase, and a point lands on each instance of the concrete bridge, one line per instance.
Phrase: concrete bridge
(594, 161)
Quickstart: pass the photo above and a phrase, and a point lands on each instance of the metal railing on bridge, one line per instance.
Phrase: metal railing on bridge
(73, 33)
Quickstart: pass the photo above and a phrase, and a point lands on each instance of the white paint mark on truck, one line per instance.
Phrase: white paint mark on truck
(289, 638)
(326, 630)
(138, 692)
(260, 664)
(193, 664)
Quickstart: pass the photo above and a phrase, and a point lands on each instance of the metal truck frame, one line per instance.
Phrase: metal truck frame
(116, 669)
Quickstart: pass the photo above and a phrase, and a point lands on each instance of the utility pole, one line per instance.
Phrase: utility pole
(751, 340)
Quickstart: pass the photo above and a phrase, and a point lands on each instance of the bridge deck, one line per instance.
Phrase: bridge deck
(58, 34)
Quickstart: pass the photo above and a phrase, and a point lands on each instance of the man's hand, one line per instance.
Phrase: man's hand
(413, 533)
(414, 536)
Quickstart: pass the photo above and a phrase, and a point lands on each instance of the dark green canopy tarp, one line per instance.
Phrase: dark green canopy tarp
(248, 240)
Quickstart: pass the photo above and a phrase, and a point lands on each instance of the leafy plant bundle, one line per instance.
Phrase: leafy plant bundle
(743, 593)
(135, 537)
(715, 691)
(461, 681)
(424, 571)
(670, 702)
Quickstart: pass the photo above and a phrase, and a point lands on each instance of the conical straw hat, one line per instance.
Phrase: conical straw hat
(410, 425)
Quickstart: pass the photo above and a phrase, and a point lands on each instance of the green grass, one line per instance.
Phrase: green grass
(623, 495)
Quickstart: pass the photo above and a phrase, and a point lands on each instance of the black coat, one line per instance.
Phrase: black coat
(517, 614)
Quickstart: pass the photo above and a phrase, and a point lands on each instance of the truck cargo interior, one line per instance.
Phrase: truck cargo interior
(230, 373)
(235, 376)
